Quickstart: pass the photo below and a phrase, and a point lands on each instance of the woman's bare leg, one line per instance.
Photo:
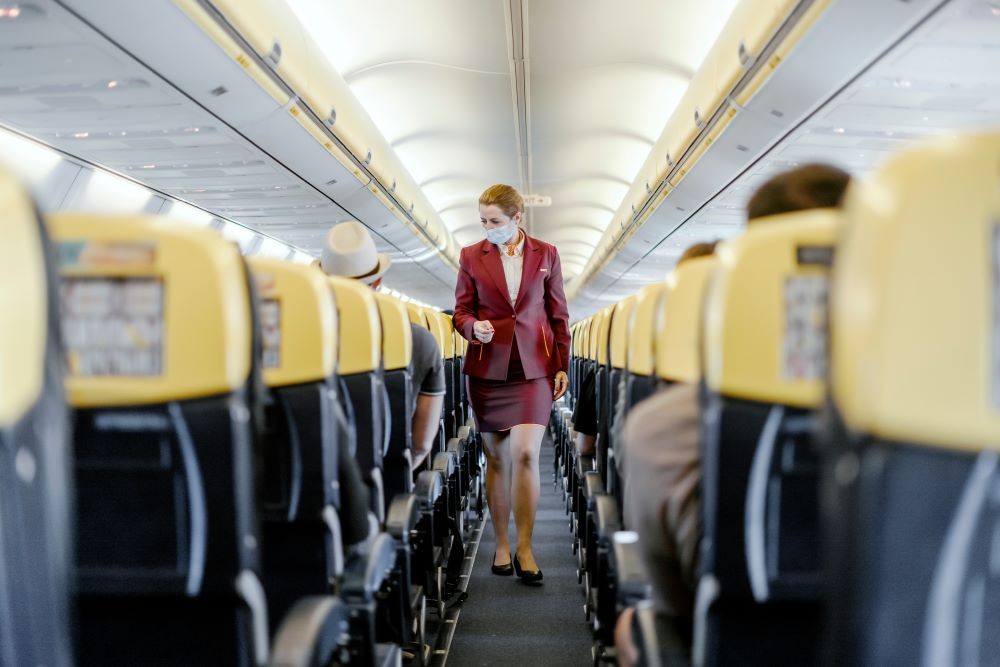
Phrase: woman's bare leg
(498, 474)
(525, 444)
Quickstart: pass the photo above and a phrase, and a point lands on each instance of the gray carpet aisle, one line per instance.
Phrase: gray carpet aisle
(507, 623)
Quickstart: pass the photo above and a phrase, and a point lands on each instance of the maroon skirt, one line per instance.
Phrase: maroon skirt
(502, 404)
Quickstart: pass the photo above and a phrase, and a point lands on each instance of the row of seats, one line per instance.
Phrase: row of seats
(849, 372)
(224, 444)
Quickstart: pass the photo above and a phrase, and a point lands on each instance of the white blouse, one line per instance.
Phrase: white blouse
(512, 264)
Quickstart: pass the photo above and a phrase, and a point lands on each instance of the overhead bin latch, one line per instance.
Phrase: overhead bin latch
(368, 157)
(331, 119)
(274, 55)
(746, 60)
(699, 121)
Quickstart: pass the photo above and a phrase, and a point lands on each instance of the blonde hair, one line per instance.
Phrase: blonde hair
(506, 197)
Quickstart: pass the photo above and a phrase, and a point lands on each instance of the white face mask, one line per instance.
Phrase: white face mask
(500, 235)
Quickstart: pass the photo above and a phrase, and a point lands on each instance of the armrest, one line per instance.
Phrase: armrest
(658, 639)
(310, 634)
(464, 433)
(428, 488)
(444, 463)
(631, 578)
(593, 485)
(606, 515)
(403, 515)
(364, 575)
(455, 446)
(584, 464)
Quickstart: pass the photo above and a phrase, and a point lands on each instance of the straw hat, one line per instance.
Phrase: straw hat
(349, 251)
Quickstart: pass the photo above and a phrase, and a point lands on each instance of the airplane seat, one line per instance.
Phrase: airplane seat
(677, 360)
(397, 355)
(360, 370)
(763, 355)
(910, 476)
(167, 457)
(301, 522)
(617, 358)
(448, 351)
(36, 487)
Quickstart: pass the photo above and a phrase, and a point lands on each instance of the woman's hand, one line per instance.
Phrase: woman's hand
(483, 331)
(562, 384)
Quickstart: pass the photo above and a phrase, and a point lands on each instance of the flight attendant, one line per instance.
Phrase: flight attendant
(510, 306)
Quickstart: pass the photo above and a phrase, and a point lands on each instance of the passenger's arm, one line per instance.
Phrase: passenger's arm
(466, 301)
(426, 420)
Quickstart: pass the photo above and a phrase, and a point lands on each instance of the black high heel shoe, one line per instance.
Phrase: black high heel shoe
(501, 570)
(533, 577)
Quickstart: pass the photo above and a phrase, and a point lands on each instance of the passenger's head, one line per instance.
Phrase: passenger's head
(349, 252)
(805, 187)
(501, 209)
(697, 250)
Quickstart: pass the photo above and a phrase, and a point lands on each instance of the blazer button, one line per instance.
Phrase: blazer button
(513, 317)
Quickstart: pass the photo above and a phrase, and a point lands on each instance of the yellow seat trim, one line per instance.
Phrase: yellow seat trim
(678, 322)
(435, 326)
(642, 330)
(360, 332)
(914, 329)
(593, 351)
(24, 301)
(619, 331)
(604, 335)
(746, 344)
(449, 334)
(397, 338)
(206, 309)
(307, 326)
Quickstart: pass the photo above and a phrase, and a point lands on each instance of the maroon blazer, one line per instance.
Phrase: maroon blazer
(539, 319)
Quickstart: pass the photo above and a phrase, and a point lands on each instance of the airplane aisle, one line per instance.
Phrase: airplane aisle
(505, 622)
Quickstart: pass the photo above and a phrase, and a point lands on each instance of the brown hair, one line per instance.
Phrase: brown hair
(506, 197)
(697, 250)
(809, 186)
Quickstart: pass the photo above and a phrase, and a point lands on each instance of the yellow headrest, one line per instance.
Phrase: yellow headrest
(916, 298)
(448, 346)
(397, 339)
(595, 339)
(416, 314)
(642, 330)
(679, 321)
(298, 321)
(24, 302)
(765, 312)
(604, 335)
(619, 331)
(585, 339)
(436, 327)
(360, 329)
(152, 311)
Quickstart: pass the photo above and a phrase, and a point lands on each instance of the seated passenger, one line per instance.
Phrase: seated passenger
(349, 252)
(663, 496)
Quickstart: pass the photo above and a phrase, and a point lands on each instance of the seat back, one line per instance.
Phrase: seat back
(451, 393)
(437, 329)
(36, 488)
(764, 367)
(915, 384)
(618, 353)
(397, 355)
(158, 328)
(360, 369)
(678, 322)
(640, 367)
(602, 387)
(302, 522)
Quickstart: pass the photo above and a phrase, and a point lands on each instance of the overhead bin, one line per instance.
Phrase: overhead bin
(749, 94)
(276, 35)
(250, 65)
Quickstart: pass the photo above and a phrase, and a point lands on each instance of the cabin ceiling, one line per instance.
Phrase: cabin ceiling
(558, 100)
